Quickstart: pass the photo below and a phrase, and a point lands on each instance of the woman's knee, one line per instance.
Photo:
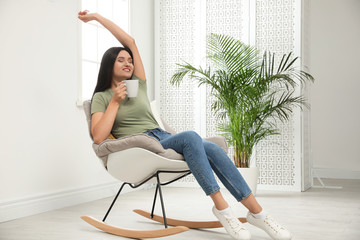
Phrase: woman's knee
(191, 136)
(210, 146)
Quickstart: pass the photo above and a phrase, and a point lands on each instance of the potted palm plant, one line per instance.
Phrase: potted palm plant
(252, 91)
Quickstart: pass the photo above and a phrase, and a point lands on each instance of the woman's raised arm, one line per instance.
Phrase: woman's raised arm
(125, 39)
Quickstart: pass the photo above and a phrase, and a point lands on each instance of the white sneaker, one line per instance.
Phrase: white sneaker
(270, 226)
(232, 225)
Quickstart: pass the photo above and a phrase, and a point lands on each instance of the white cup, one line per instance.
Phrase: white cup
(132, 87)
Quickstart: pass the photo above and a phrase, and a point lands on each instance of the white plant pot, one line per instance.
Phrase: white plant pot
(251, 176)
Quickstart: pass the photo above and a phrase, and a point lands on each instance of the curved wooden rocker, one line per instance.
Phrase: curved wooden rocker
(133, 233)
(140, 159)
(185, 223)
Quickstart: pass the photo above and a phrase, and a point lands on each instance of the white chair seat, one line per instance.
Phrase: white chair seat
(136, 164)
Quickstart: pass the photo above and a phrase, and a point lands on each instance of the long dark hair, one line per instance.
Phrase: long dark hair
(107, 67)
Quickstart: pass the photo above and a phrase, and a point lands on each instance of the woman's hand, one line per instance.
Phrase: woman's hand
(85, 16)
(120, 92)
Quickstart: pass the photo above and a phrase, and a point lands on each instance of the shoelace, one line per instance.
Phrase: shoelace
(234, 224)
(273, 224)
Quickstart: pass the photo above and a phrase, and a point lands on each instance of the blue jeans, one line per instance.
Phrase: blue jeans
(204, 157)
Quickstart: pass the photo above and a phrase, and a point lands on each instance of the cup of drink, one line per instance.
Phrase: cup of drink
(132, 87)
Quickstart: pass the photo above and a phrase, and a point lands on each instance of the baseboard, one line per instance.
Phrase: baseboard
(14, 209)
(335, 173)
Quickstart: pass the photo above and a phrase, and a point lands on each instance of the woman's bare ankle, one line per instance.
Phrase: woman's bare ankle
(219, 201)
(251, 204)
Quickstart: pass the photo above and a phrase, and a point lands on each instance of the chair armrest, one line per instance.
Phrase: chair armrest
(141, 140)
(219, 140)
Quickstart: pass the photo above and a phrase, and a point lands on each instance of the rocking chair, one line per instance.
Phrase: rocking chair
(121, 158)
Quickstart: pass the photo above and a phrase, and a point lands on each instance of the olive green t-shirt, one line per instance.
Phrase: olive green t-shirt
(134, 114)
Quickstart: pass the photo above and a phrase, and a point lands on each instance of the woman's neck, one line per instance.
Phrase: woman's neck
(115, 82)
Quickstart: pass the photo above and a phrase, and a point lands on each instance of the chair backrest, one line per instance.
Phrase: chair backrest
(156, 114)
(87, 111)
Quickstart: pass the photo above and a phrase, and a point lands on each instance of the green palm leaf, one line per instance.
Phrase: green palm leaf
(252, 93)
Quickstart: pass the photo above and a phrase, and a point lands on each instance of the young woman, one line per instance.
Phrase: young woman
(113, 113)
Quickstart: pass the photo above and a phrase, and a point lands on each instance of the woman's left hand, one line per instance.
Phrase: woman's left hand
(85, 16)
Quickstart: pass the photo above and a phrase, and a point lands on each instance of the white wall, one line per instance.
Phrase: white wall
(335, 98)
(142, 30)
(46, 157)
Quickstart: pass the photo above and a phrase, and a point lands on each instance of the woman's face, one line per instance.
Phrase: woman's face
(123, 66)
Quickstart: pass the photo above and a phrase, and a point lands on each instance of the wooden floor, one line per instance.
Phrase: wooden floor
(329, 214)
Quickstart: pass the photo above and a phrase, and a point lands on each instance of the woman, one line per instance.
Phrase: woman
(113, 113)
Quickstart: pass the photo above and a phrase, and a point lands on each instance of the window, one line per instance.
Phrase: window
(95, 40)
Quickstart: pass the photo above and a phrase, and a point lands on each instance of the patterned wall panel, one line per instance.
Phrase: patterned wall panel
(225, 17)
(176, 44)
(222, 17)
(274, 31)
(275, 26)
